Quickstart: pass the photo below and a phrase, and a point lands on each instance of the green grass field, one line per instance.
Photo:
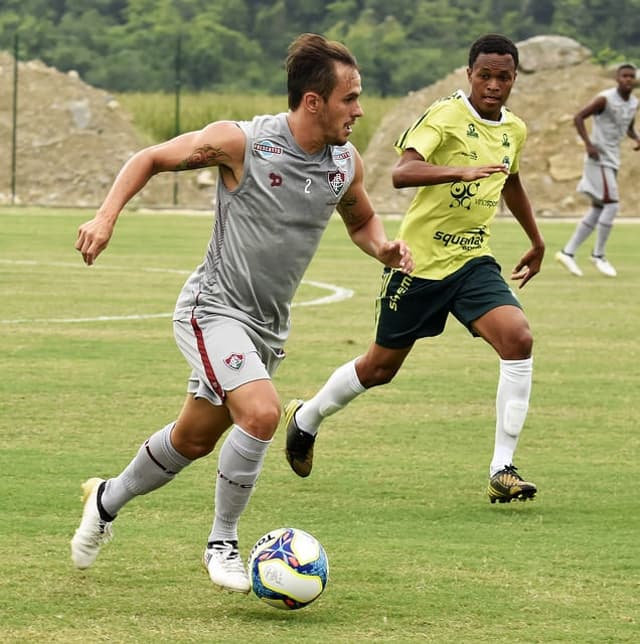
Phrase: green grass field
(397, 495)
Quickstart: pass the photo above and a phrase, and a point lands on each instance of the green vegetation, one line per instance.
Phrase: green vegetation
(154, 114)
(397, 496)
(240, 45)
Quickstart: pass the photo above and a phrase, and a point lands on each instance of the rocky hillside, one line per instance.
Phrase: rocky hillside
(554, 81)
(71, 141)
(73, 138)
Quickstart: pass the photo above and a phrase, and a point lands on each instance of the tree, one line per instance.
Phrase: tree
(241, 44)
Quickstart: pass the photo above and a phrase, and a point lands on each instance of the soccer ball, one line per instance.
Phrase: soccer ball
(288, 568)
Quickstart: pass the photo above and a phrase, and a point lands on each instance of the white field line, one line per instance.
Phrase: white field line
(337, 294)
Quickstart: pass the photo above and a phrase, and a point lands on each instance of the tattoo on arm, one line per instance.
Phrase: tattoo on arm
(346, 210)
(203, 157)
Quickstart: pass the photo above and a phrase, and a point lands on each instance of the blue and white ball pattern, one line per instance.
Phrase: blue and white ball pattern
(288, 568)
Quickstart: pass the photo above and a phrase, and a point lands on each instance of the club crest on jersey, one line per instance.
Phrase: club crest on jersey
(336, 180)
(234, 361)
(266, 149)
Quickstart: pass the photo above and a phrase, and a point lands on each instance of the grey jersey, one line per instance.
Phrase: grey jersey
(611, 125)
(267, 230)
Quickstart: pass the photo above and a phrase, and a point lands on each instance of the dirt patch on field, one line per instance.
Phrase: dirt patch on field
(73, 138)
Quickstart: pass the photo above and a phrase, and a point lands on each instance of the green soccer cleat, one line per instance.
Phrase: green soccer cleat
(299, 447)
(507, 484)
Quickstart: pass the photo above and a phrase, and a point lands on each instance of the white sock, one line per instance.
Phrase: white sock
(156, 463)
(512, 404)
(239, 465)
(584, 228)
(603, 230)
(341, 388)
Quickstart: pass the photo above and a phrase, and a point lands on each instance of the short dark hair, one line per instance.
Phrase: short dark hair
(622, 66)
(493, 44)
(311, 66)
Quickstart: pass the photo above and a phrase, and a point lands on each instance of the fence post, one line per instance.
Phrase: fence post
(14, 137)
(177, 112)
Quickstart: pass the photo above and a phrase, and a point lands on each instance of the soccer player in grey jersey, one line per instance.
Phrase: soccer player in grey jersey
(614, 111)
(280, 178)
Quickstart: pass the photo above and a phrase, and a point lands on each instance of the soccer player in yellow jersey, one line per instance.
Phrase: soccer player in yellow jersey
(463, 154)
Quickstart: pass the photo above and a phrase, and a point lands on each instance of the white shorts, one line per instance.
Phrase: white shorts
(223, 354)
(599, 182)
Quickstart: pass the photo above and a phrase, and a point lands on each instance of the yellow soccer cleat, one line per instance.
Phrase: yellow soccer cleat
(507, 484)
(299, 447)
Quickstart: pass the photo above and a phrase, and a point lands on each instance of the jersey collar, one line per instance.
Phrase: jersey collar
(472, 109)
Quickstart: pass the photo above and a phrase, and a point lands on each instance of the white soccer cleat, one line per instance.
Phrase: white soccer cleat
(225, 567)
(93, 530)
(568, 262)
(603, 265)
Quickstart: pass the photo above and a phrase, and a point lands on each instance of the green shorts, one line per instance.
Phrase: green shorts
(410, 308)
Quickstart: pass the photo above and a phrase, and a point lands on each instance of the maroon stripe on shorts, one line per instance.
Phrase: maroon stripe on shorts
(208, 368)
(605, 196)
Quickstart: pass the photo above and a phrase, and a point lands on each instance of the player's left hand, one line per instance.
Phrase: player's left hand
(528, 266)
(396, 254)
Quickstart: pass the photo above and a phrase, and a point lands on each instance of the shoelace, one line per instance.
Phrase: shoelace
(228, 550)
(103, 534)
(513, 470)
(231, 560)
(234, 563)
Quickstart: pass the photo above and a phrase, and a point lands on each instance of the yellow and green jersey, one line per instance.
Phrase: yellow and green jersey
(447, 224)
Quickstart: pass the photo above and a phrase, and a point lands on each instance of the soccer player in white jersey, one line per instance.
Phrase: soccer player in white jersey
(280, 179)
(463, 154)
(613, 111)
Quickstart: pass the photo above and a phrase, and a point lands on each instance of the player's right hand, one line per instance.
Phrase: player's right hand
(592, 152)
(473, 173)
(93, 237)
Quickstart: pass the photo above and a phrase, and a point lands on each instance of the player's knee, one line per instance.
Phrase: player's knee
(193, 445)
(524, 343)
(378, 375)
(518, 345)
(609, 213)
(260, 419)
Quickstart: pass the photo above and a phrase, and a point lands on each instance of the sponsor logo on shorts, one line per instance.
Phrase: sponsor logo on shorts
(400, 291)
(234, 361)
